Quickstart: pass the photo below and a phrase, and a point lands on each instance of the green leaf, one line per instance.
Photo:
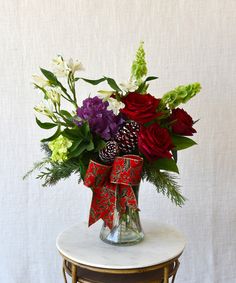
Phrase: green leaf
(74, 146)
(110, 81)
(113, 84)
(42, 89)
(181, 142)
(82, 169)
(84, 129)
(72, 134)
(143, 86)
(45, 125)
(82, 132)
(151, 78)
(54, 136)
(166, 164)
(99, 144)
(66, 113)
(94, 82)
(175, 155)
(52, 79)
(68, 118)
(90, 146)
(50, 76)
(81, 148)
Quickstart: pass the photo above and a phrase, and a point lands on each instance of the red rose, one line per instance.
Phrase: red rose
(141, 108)
(155, 142)
(182, 122)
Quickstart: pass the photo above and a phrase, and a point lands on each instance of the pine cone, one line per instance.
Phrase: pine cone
(127, 137)
(109, 152)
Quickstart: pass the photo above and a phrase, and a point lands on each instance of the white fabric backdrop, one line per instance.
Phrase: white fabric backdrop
(185, 41)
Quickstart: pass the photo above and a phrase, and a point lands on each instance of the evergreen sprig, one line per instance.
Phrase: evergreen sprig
(165, 183)
(37, 166)
(46, 149)
(57, 171)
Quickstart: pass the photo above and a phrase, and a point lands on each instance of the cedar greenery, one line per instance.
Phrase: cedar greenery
(58, 171)
(164, 182)
(54, 171)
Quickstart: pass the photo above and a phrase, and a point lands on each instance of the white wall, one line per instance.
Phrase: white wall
(185, 41)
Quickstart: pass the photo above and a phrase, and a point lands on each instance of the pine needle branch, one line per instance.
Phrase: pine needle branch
(165, 183)
(37, 166)
(46, 149)
(57, 171)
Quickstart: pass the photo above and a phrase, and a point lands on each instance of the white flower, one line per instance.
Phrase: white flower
(44, 110)
(60, 68)
(105, 94)
(75, 66)
(128, 86)
(40, 81)
(115, 105)
(54, 95)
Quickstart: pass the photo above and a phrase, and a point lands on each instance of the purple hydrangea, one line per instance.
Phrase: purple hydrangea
(101, 121)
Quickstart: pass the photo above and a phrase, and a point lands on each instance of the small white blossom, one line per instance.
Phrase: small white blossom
(105, 94)
(44, 110)
(54, 95)
(115, 105)
(60, 68)
(75, 66)
(128, 86)
(40, 81)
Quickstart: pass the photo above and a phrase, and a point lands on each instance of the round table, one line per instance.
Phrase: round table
(87, 259)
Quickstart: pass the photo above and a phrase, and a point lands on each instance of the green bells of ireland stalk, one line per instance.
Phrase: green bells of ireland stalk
(139, 66)
(180, 94)
(59, 148)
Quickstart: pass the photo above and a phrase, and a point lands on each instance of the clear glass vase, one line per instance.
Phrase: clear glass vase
(127, 229)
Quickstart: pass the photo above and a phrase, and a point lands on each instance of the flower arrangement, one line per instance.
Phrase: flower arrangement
(125, 120)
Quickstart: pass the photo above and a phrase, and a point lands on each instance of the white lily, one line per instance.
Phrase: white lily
(105, 94)
(43, 109)
(40, 81)
(60, 68)
(115, 105)
(128, 86)
(75, 66)
(54, 95)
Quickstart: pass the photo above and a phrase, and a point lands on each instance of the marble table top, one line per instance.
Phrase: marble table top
(83, 245)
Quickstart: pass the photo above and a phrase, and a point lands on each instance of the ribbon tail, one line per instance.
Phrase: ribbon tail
(127, 198)
(103, 204)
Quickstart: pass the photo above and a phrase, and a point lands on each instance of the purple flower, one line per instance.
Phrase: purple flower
(101, 121)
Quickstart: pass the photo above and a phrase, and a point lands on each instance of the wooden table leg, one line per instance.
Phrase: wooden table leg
(166, 274)
(74, 273)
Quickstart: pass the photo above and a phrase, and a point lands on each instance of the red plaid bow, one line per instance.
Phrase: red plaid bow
(108, 182)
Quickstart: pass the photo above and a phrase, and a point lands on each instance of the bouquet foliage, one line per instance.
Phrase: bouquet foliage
(123, 120)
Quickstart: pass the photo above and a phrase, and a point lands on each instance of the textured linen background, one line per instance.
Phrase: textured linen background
(185, 41)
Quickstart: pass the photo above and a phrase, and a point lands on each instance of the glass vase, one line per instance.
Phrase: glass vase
(127, 229)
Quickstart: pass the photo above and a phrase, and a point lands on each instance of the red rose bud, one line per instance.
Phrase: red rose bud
(141, 108)
(182, 122)
(155, 142)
